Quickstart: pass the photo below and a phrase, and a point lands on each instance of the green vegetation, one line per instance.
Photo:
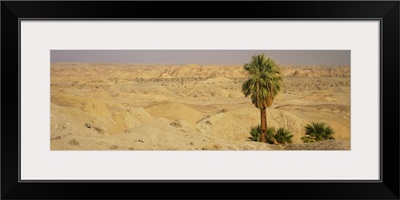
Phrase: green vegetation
(317, 132)
(255, 134)
(279, 136)
(263, 85)
(283, 136)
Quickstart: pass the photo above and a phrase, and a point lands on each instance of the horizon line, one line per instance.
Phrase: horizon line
(125, 63)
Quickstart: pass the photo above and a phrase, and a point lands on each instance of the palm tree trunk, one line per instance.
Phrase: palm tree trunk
(263, 137)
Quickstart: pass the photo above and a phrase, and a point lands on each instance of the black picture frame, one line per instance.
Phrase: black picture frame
(385, 11)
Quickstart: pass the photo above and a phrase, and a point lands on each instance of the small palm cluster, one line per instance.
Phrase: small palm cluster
(317, 132)
(273, 136)
(283, 136)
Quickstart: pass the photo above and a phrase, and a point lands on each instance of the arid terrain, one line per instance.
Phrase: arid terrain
(97, 106)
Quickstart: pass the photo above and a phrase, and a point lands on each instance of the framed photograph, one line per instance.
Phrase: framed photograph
(292, 99)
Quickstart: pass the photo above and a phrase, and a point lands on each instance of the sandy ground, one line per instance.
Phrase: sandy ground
(98, 106)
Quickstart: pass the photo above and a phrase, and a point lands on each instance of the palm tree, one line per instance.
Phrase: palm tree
(262, 86)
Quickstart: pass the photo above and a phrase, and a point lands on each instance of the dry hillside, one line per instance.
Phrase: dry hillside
(99, 106)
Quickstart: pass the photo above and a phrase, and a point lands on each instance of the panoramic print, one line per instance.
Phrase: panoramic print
(201, 100)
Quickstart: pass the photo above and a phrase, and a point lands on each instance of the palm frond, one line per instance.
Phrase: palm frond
(317, 132)
(283, 136)
(264, 81)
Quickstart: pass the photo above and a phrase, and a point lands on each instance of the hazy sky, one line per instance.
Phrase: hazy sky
(203, 57)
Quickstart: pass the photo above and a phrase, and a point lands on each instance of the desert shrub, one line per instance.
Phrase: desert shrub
(280, 136)
(270, 135)
(255, 133)
(283, 136)
(317, 132)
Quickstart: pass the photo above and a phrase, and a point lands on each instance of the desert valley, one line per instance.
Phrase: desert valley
(104, 106)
